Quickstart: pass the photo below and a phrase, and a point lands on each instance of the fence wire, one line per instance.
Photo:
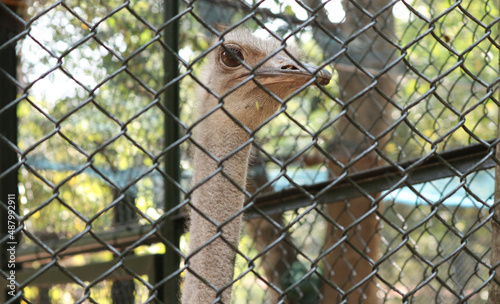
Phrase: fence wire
(378, 187)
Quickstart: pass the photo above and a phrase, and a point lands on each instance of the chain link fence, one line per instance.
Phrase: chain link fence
(378, 187)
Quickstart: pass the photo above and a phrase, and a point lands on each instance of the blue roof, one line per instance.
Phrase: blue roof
(476, 191)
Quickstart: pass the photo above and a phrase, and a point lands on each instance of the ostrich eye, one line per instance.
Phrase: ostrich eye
(228, 57)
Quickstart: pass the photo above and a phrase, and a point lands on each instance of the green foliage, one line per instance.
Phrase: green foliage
(444, 101)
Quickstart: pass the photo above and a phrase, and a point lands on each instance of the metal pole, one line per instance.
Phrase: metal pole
(169, 293)
(9, 196)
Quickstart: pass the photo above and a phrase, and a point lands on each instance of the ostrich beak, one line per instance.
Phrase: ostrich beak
(284, 70)
(322, 75)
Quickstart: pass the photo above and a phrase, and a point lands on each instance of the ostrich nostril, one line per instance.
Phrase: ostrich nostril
(289, 67)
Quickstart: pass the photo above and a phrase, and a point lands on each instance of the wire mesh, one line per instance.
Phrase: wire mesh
(104, 151)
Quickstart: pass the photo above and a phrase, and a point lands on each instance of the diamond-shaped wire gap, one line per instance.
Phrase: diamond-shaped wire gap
(188, 94)
(34, 125)
(100, 292)
(485, 15)
(136, 206)
(370, 98)
(389, 151)
(295, 173)
(252, 283)
(353, 129)
(206, 15)
(130, 170)
(125, 282)
(481, 273)
(312, 110)
(478, 242)
(387, 293)
(389, 273)
(363, 49)
(143, 68)
(278, 142)
(62, 103)
(125, 42)
(409, 27)
(303, 283)
(42, 62)
(35, 194)
(88, 128)
(457, 30)
(477, 128)
(433, 292)
(392, 225)
(55, 159)
(461, 274)
(148, 13)
(479, 62)
(57, 24)
(88, 193)
(186, 166)
(346, 253)
(61, 222)
(391, 240)
(407, 142)
(484, 125)
(124, 98)
(433, 242)
(478, 112)
(413, 87)
(410, 207)
(271, 242)
(481, 199)
(92, 11)
(439, 120)
(41, 290)
(91, 63)
(465, 204)
(144, 130)
(429, 66)
(412, 270)
(302, 231)
(318, 161)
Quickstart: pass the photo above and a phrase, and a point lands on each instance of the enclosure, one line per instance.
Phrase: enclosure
(378, 187)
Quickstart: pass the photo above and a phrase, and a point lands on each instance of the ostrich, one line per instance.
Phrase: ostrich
(232, 105)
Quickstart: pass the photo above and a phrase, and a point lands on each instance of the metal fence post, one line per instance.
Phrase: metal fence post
(8, 136)
(170, 291)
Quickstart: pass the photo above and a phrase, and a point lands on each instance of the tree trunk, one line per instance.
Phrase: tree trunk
(363, 96)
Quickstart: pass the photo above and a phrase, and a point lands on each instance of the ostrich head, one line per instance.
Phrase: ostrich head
(251, 76)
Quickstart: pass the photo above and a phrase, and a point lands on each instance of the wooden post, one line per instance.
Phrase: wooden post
(345, 266)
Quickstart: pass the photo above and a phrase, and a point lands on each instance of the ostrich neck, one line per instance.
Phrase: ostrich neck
(221, 141)
(217, 197)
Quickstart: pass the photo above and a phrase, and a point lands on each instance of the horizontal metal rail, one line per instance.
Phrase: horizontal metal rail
(440, 165)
